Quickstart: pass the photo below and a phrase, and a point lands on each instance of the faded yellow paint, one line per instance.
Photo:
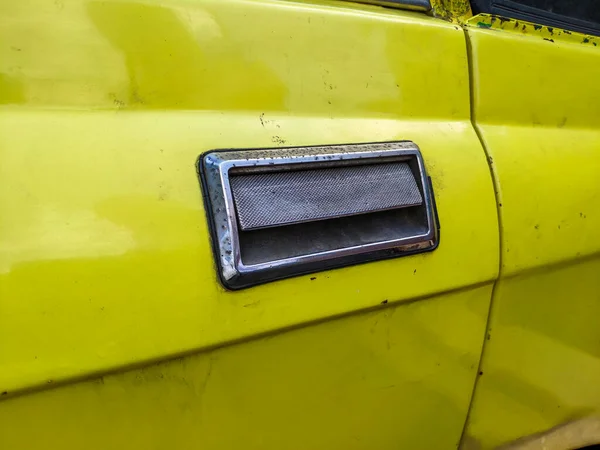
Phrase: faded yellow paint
(536, 106)
(105, 258)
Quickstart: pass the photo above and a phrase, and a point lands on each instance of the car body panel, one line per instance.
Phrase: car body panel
(106, 259)
(536, 107)
(372, 380)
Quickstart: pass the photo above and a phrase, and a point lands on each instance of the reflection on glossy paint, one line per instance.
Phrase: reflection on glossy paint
(54, 234)
(168, 67)
(236, 55)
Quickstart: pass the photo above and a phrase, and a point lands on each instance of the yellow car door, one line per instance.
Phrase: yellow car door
(536, 104)
(116, 330)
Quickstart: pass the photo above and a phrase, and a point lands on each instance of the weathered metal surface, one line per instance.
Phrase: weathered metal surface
(105, 256)
(536, 104)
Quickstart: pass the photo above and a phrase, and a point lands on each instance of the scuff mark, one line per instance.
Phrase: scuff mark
(120, 104)
(372, 330)
(136, 98)
(206, 378)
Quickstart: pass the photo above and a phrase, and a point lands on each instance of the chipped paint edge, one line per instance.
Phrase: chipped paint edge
(495, 22)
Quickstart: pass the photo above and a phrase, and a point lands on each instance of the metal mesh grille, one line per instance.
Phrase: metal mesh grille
(273, 199)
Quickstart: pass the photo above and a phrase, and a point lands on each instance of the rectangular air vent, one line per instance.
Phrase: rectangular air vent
(281, 212)
(271, 199)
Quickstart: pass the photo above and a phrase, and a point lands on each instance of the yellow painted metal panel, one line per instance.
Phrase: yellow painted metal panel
(269, 55)
(361, 382)
(542, 361)
(105, 259)
(549, 191)
(535, 82)
(106, 249)
(536, 106)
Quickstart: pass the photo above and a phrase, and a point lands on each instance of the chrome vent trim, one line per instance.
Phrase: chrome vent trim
(220, 169)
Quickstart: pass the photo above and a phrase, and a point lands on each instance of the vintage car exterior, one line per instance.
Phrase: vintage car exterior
(116, 330)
